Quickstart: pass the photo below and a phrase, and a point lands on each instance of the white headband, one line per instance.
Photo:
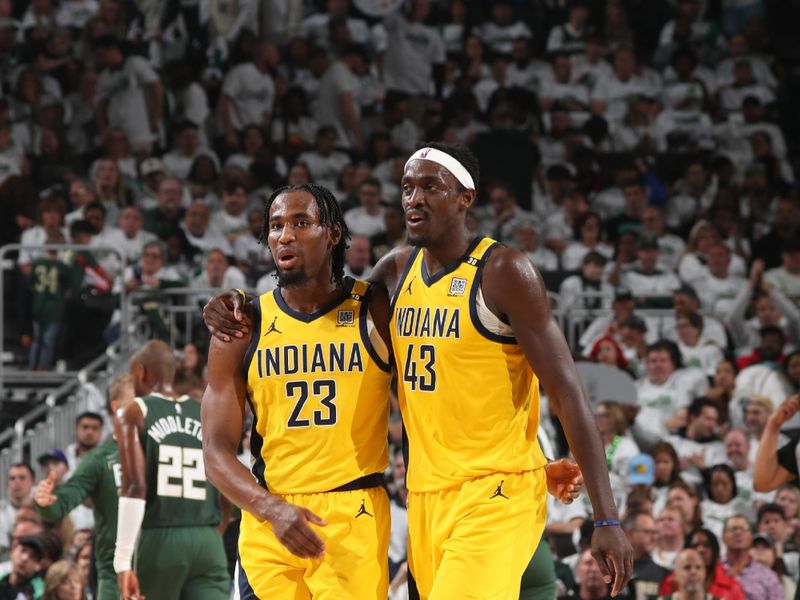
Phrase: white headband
(447, 161)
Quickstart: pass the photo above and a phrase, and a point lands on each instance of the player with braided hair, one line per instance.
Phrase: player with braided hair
(315, 520)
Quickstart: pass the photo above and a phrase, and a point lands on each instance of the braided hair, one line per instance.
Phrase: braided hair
(330, 216)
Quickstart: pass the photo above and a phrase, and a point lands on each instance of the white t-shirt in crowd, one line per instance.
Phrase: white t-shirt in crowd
(251, 94)
(125, 91)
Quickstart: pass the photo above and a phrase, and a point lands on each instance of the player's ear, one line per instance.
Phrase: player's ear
(335, 233)
(467, 198)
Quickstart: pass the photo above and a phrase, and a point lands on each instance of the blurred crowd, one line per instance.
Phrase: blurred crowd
(636, 152)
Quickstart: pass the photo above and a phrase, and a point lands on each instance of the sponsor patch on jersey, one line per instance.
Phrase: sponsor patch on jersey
(458, 286)
(345, 317)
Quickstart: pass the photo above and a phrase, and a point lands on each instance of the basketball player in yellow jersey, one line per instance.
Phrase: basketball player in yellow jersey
(473, 334)
(315, 371)
(472, 331)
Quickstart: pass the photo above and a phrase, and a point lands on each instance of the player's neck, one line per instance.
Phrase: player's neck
(311, 295)
(163, 389)
(447, 250)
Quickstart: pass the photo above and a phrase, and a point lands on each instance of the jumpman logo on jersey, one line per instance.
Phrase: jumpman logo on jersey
(363, 510)
(408, 289)
(273, 328)
(499, 492)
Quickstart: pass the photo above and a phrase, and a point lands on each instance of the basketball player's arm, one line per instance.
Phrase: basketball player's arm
(768, 473)
(223, 418)
(388, 269)
(514, 291)
(128, 429)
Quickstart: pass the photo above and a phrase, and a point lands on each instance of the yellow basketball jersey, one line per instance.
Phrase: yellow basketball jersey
(319, 394)
(469, 398)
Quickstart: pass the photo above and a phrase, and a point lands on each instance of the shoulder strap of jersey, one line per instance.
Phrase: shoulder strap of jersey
(412, 258)
(359, 290)
(481, 252)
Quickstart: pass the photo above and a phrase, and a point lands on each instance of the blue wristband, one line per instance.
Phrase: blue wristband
(606, 523)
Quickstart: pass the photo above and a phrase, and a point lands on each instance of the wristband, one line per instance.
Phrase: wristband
(606, 523)
(129, 521)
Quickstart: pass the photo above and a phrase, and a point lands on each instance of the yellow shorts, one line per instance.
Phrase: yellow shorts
(475, 540)
(355, 564)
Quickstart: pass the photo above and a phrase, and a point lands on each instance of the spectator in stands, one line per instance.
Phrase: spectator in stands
(685, 498)
(559, 86)
(640, 529)
(503, 213)
(607, 351)
(217, 273)
(129, 236)
(757, 581)
(719, 287)
(528, 240)
(691, 268)
(722, 501)
(770, 307)
(169, 212)
(231, 219)
(54, 466)
(737, 452)
(19, 484)
(248, 94)
(324, 163)
(697, 445)
(558, 224)
(63, 582)
(696, 353)
(588, 280)
(129, 94)
(337, 98)
(88, 430)
(177, 162)
(666, 471)
(785, 225)
(50, 222)
(50, 284)
(357, 257)
(718, 582)
(786, 278)
(252, 257)
(772, 522)
(634, 195)
(24, 580)
(744, 84)
(756, 412)
(201, 236)
(760, 371)
(722, 386)
(610, 96)
(671, 527)
(587, 234)
(685, 298)
(670, 246)
(645, 277)
(663, 398)
(294, 129)
(367, 219)
(764, 552)
(499, 33)
(619, 447)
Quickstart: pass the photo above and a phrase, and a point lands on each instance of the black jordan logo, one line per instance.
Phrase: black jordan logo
(499, 492)
(408, 289)
(273, 328)
(363, 510)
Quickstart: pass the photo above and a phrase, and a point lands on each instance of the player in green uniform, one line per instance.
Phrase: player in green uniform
(164, 491)
(97, 477)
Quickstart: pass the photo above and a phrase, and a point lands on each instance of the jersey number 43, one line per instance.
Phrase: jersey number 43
(419, 371)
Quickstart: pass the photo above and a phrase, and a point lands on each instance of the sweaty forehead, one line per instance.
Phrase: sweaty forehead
(294, 203)
(420, 169)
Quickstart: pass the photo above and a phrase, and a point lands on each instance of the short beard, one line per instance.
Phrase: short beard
(291, 278)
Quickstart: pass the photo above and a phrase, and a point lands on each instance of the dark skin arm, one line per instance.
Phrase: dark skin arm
(223, 418)
(128, 428)
(514, 291)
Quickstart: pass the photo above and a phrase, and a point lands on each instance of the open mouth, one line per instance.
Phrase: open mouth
(286, 260)
(414, 218)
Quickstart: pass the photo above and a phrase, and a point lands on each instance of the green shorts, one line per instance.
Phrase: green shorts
(539, 578)
(182, 563)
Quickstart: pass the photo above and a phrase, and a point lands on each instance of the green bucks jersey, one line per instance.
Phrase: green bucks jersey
(178, 494)
(98, 476)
